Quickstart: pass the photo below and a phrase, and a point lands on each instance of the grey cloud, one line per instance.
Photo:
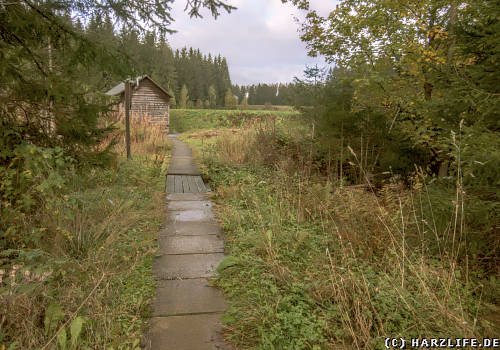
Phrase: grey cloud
(259, 40)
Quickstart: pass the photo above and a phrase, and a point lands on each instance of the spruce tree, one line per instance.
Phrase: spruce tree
(212, 96)
(244, 102)
(229, 101)
(184, 97)
(173, 102)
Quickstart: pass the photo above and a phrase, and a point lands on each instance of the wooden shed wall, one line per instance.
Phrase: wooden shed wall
(149, 99)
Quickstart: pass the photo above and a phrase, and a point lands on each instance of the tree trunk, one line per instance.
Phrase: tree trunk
(428, 90)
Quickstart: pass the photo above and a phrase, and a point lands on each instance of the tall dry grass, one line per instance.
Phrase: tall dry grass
(146, 137)
(375, 257)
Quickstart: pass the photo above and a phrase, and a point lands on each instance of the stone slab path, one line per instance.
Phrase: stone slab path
(186, 310)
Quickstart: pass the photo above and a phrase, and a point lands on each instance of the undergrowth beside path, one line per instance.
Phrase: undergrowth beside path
(81, 278)
(316, 265)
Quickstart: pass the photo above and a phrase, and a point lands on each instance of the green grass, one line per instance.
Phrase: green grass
(182, 120)
(266, 108)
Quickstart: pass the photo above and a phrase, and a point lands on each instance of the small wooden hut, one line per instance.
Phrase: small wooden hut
(149, 101)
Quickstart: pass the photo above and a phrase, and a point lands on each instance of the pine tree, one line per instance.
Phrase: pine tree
(229, 101)
(212, 96)
(163, 70)
(184, 97)
(244, 102)
(173, 102)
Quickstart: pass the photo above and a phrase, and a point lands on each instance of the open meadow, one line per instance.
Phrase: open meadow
(182, 120)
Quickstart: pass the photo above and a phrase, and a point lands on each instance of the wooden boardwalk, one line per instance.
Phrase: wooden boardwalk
(183, 175)
(185, 184)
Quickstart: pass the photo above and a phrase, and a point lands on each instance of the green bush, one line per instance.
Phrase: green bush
(34, 179)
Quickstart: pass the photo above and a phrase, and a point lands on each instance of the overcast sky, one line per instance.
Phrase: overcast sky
(260, 39)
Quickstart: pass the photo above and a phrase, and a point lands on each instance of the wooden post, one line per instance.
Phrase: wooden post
(127, 118)
(51, 124)
(361, 162)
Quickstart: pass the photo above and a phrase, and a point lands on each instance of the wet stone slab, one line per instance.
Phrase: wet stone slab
(191, 244)
(189, 205)
(182, 166)
(193, 296)
(170, 267)
(181, 149)
(186, 197)
(191, 215)
(189, 332)
(187, 228)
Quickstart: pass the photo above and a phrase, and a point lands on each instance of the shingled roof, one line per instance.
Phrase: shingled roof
(120, 88)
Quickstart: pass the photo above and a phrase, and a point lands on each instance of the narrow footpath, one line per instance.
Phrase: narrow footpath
(187, 311)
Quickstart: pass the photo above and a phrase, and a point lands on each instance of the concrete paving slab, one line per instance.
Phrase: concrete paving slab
(191, 215)
(186, 228)
(189, 332)
(181, 149)
(186, 197)
(189, 205)
(170, 267)
(191, 244)
(182, 297)
(183, 166)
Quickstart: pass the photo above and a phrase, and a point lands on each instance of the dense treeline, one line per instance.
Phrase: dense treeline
(205, 78)
(196, 80)
(261, 94)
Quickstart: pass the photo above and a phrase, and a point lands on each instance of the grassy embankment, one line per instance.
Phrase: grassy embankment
(265, 108)
(182, 120)
(81, 276)
(317, 265)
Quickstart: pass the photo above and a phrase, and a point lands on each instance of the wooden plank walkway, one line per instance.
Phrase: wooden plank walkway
(185, 184)
(183, 175)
